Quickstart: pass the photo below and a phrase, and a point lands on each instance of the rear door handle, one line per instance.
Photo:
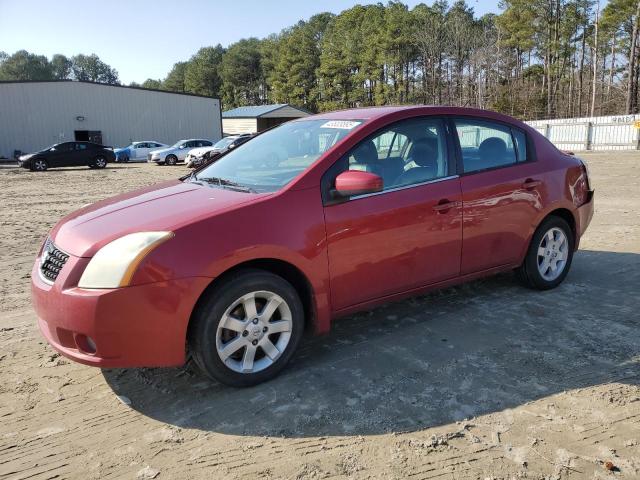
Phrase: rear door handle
(444, 205)
(530, 183)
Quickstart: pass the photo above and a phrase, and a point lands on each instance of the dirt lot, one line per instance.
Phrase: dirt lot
(487, 380)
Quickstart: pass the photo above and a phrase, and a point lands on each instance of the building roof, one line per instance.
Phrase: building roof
(257, 111)
(108, 85)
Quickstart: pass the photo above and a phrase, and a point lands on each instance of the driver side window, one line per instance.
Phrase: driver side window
(406, 153)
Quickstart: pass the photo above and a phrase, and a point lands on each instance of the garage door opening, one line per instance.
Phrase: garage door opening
(94, 136)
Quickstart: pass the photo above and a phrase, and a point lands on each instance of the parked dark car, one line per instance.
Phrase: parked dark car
(199, 157)
(68, 154)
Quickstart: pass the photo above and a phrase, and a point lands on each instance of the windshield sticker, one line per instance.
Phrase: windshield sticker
(341, 124)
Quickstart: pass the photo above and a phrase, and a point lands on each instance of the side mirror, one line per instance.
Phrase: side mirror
(357, 182)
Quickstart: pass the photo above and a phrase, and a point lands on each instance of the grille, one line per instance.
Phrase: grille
(52, 261)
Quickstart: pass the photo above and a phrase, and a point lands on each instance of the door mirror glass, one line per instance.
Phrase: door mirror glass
(356, 182)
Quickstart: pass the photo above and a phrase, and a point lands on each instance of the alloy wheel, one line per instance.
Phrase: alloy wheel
(254, 331)
(40, 165)
(553, 253)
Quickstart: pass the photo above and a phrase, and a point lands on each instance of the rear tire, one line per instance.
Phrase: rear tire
(171, 160)
(246, 330)
(549, 256)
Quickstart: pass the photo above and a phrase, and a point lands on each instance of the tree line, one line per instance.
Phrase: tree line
(23, 65)
(536, 59)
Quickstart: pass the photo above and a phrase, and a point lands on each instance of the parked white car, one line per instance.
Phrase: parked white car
(177, 152)
(137, 151)
(197, 156)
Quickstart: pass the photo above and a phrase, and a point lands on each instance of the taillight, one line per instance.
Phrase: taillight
(582, 188)
(587, 176)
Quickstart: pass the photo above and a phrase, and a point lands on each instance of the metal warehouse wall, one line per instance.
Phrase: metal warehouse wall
(618, 132)
(34, 115)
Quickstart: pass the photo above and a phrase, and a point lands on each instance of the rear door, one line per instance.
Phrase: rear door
(407, 236)
(501, 188)
(83, 154)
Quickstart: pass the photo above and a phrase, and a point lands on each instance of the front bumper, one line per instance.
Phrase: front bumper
(137, 326)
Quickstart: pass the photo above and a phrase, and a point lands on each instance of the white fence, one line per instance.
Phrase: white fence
(621, 132)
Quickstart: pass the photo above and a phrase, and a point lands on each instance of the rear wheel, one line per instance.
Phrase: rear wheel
(549, 256)
(99, 162)
(171, 160)
(247, 329)
(39, 165)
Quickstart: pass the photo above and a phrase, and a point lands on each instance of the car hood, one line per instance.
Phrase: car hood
(26, 156)
(164, 207)
(200, 150)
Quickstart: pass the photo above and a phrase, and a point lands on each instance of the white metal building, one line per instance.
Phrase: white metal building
(617, 132)
(257, 118)
(34, 115)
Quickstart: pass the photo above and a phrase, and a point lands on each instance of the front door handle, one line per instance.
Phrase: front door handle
(530, 183)
(444, 205)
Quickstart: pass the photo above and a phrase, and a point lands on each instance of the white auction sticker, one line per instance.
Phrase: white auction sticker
(343, 124)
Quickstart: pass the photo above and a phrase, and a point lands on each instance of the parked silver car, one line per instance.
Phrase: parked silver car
(177, 152)
(137, 151)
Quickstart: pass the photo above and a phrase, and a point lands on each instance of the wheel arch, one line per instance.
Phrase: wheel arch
(568, 217)
(282, 268)
(560, 211)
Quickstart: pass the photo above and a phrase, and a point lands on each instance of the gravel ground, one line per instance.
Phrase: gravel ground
(485, 380)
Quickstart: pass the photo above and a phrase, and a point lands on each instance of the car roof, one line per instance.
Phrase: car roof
(372, 113)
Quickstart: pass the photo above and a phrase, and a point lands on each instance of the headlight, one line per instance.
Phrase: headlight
(115, 263)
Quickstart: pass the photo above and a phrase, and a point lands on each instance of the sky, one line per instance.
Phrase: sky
(143, 38)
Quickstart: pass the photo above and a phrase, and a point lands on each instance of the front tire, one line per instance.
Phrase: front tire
(99, 162)
(171, 160)
(549, 256)
(39, 165)
(247, 329)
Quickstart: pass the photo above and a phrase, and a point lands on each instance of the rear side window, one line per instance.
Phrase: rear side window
(485, 145)
(521, 144)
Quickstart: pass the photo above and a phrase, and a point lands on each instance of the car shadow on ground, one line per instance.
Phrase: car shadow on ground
(431, 360)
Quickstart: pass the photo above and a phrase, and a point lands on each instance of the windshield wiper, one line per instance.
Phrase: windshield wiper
(224, 183)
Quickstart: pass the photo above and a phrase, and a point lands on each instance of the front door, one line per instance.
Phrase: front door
(140, 150)
(407, 236)
(500, 193)
(63, 155)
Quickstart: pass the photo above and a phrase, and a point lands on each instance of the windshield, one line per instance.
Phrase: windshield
(178, 143)
(271, 160)
(220, 144)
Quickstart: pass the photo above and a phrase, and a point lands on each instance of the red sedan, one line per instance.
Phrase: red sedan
(314, 219)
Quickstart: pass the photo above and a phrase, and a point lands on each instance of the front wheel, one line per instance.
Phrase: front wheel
(99, 162)
(39, 165)
(171, 160)
(549, 256)
(247, 329)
